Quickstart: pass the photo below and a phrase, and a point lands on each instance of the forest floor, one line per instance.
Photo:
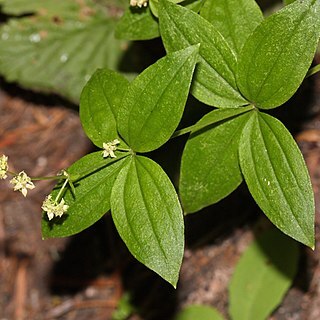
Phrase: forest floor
(86, 275)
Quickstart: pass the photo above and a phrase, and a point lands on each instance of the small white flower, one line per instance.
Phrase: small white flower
(109, 148)
(3, 167)
(21, 182)
(54, 209)
(138, 3)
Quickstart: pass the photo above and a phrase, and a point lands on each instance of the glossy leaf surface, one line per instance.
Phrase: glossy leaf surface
(92, 195)
(154, 102)
(277, 56)
(214, 81)
(147, 214)
(262, 276)
(210, 166)
(234, 19)
(277, 177)
(99, 104)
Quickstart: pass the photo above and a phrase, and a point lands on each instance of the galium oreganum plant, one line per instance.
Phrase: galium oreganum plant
(228, 56)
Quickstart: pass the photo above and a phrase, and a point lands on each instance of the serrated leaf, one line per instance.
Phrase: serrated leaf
(210, 167)
(92, 195)
(52, 8)
(155, 100)
(147, 214)
(137, 24)
(20, 7)
(193, 312)
(277, 56)
(58, 48)
(100, 102)
(214, 82)
(277, 177)
(262, 276)
(234, 19)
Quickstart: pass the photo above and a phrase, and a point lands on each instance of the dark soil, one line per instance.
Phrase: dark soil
(84, 276)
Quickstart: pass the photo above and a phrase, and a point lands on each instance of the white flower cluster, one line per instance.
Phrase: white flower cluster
(138, 3)
(21, 182)
(3, 167)
(110, 148)
(54, 209)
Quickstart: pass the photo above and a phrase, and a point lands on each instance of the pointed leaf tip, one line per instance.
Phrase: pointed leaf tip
(148, 216)
(277, 176)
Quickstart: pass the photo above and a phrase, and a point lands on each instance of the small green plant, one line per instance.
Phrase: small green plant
(261, 278)
(229, 57)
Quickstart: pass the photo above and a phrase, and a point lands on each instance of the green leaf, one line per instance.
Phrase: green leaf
(234, 19)
(155, 100)
(20, 7)
(137, 24)
(210, 167)
(147, 214)
(214, 82)
(277, 56)
(99, 105)
(263, 276)
(193, 312)
(194, 5)
(92, 195)
(277, 177)
(125, 307)
(286, 2)
(60, 46)
(142, 23)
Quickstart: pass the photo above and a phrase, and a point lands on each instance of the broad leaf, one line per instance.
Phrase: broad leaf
(137, 24)
(155, 100)
(99, 105)
(194, 5)
(277, 177)
(20, 7)
(210, 167)
(147, 214)
(60, 46)
(263, 276)
(214, 81)
(142, 23)
(95, 177)
(286, 2)
(193, 312)
(234, 19)
(277, 56)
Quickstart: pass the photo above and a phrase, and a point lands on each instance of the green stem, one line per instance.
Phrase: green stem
(198, 126)
(313, 71)
(123, 149)
(48, 178)
(39, 178)
(61, 190)
(183, 131)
